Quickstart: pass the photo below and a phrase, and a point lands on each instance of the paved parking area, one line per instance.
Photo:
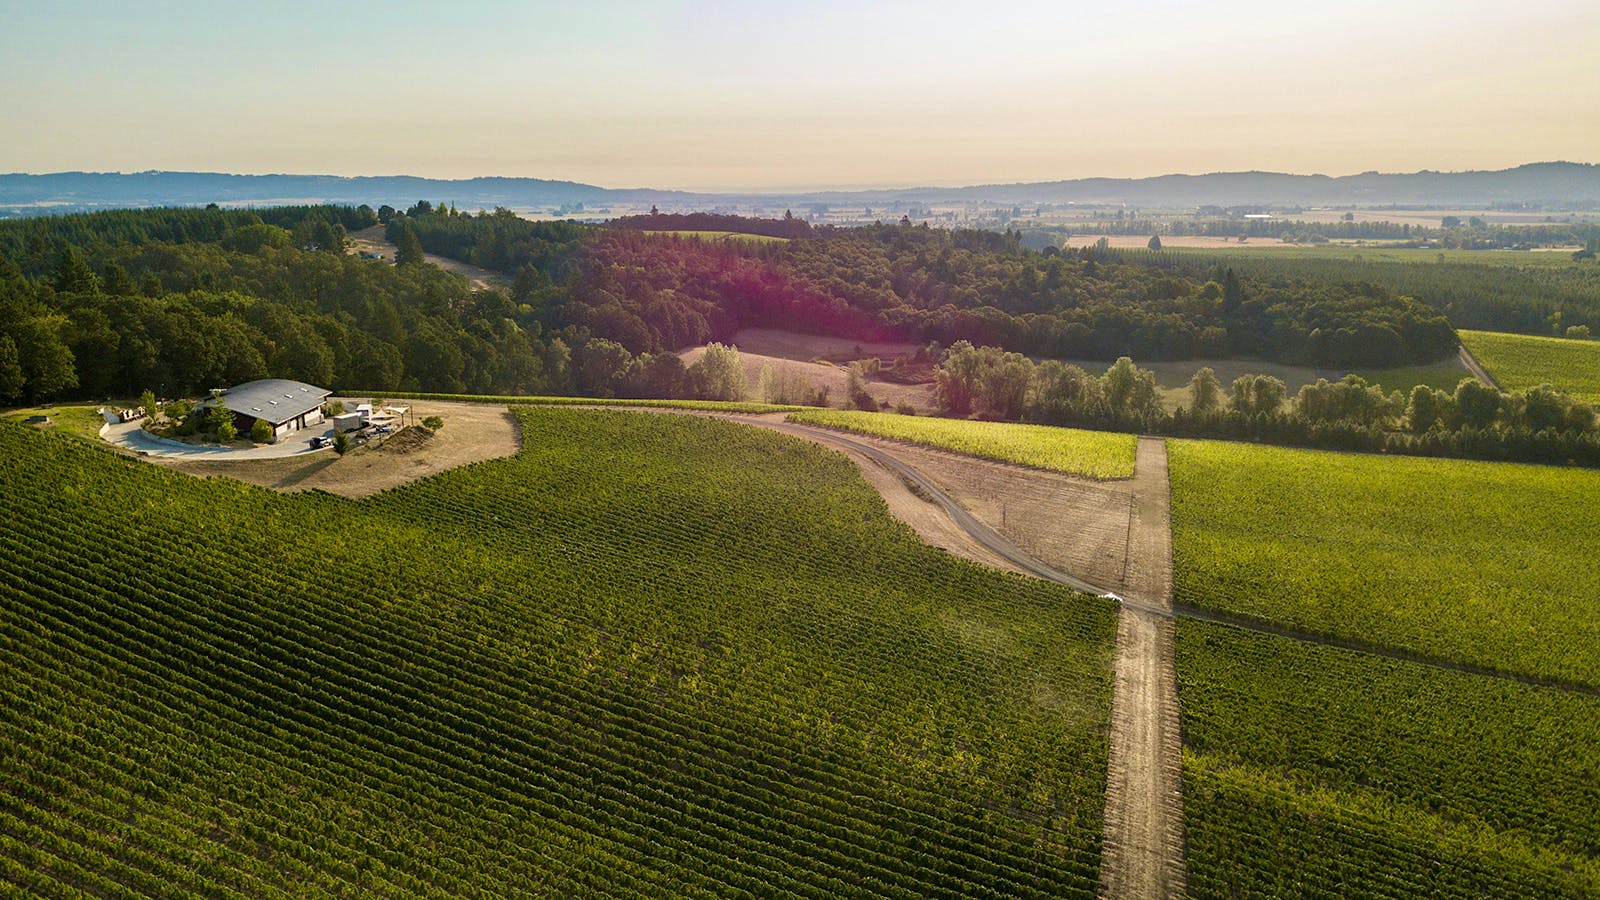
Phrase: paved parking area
(132, 437)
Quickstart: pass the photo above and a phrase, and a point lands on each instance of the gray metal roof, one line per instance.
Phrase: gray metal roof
(275, 399)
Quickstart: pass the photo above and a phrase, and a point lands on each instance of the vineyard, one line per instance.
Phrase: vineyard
(1482, 564)
(647, 656)
(1093, 454)
(1519, 361)
(1319, 772)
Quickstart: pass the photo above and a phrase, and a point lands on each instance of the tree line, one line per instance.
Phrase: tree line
(789, 226)
(1492, 294)
(113, 318)
(1540, 424)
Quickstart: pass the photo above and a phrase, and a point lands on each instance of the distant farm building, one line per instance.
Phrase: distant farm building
(285, 405)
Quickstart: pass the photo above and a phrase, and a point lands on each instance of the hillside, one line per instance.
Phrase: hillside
(640, 658)
(1558, 183)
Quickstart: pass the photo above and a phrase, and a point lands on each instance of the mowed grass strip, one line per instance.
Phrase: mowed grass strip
(646, 656)
(1314, 771)
(1485, 564)
(1093, 454)
(1518, 361)
(727, 406)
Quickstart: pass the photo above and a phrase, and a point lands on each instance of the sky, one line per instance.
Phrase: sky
(797, 95)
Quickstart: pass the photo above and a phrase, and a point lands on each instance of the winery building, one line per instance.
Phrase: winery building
(284, 404)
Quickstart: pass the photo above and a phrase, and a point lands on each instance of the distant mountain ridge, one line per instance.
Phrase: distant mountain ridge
(1545, 184)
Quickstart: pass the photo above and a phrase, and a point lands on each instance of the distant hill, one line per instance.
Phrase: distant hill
(1554, 184)
(1557, 183)
(198, 188)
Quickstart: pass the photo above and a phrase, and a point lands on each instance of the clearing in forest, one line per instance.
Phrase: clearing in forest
(802, 379)
(375, 240)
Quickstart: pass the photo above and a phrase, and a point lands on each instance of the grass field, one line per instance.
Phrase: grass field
(1092, 454)
(1317, 772)
(1518, 361)
(1487, 564)
(77, 420)
(728, 406)
(1442, 376)
(724, 236)
(644, 657)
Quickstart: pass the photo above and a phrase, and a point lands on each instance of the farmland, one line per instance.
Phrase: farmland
(1482, 564)
(642, 657)
(1512, 291)
(1518, 361)
(1092, 454)
(1313, 771)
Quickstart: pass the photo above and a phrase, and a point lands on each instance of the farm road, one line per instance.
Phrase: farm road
(1476, 368)
(1143, 854)
(373, 240)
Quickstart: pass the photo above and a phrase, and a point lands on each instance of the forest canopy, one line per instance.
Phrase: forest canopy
(180, 300)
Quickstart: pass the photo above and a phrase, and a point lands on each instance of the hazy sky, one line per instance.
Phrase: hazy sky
(747, 94)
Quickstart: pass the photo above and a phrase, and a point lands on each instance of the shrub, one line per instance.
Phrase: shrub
(433, 423)
(261, 432)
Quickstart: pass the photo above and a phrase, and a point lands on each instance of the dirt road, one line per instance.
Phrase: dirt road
(1095, 537)
(1476, 368)
(372, 240)
(1143, 852)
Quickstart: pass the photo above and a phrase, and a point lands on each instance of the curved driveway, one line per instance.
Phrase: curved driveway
(980, 532)
(130, 436)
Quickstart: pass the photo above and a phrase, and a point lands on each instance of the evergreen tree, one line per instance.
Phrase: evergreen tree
(11, 381)
(73, 275)
(407, 248)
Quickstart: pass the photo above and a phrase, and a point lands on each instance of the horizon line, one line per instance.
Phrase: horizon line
(782, 191)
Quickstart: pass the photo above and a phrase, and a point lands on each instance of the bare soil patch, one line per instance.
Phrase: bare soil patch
(407, 440)
(472, 432)
(806, 347)
(371, 240)
(1075, 525)
(823, 374)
